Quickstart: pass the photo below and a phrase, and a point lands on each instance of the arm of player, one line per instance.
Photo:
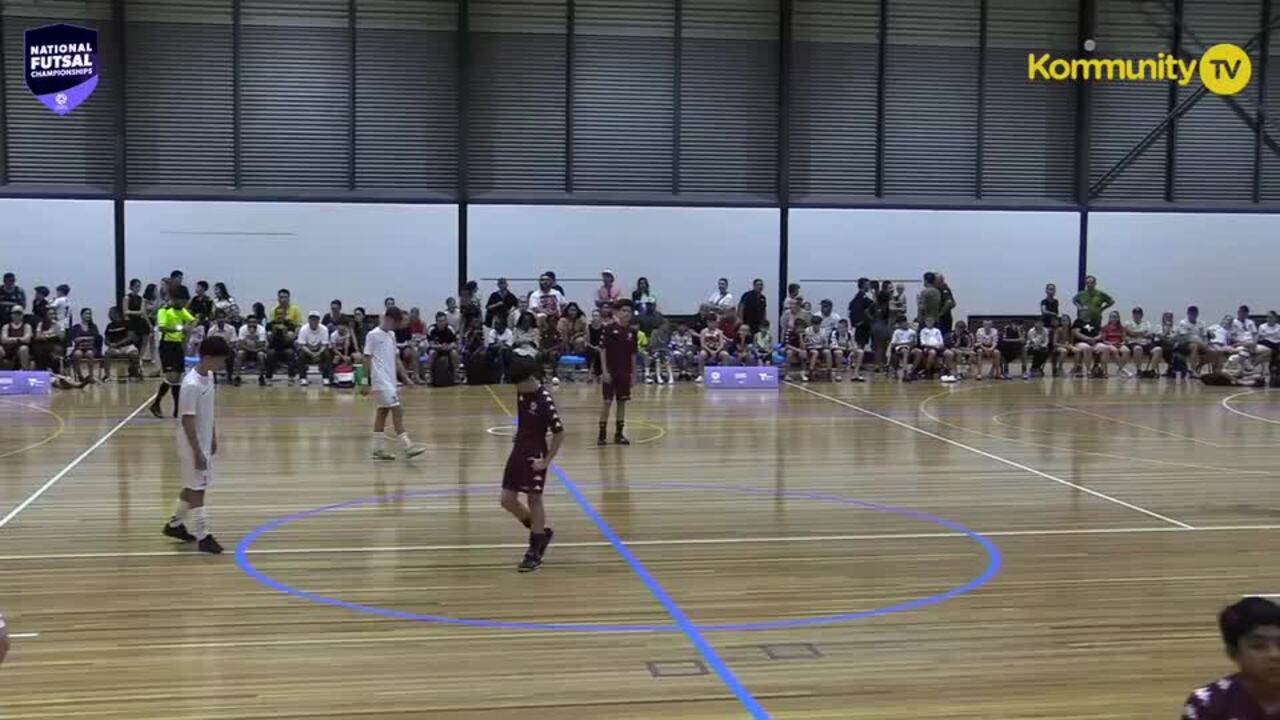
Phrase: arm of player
(605, 376)
(4, 643)
(213, 449)
(368, 369)
(189, 429)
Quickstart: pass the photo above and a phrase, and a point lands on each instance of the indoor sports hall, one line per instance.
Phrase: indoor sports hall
(914, 359)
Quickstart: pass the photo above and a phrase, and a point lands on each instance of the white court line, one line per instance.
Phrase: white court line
(677, 542)
(997, 458)
(24, 636)
(72, 465)
(1226, 404)
(1108, 418)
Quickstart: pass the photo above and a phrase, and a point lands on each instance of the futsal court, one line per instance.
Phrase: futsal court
(991, 550)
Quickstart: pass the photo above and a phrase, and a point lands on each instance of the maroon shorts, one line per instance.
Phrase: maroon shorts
(519, 475)
(619, 389)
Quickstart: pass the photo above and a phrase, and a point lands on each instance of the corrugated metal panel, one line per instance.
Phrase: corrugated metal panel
(833, 97)
(931, 98)
(1028, 127)
(295, 93)
(75, 149)
(1214, 144)
(623, 86)
(729, 96)
(1123, 112)
(179, 92)
(517, 130)
(406, 94)
(1270, 189)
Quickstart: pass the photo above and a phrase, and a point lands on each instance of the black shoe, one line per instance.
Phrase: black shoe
(529, 563)
(620, 440)
(546, 541)
(157, 412)
(262, 380)
(179, 532)
(209, 545)
(602, 441)
(236, 381)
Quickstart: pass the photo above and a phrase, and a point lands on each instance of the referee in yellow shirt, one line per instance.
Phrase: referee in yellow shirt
(174, 322)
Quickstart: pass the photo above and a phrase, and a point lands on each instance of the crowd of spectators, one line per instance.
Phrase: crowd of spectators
(468, 338)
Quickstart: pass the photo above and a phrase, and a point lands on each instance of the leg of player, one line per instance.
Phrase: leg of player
(620, 423)
(378, 450)
(397, 421)
(607, 390)
(511, 503)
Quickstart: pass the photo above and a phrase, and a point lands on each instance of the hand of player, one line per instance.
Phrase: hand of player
(538, 464)
(364, 390)
(606, 378)
(214, 449)
(202, 462)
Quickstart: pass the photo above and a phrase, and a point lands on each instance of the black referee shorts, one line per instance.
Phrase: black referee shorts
(172, 357)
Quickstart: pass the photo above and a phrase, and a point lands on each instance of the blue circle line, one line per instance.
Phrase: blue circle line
(992, 568)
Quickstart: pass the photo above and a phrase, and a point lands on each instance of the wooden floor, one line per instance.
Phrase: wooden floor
(1116, 516)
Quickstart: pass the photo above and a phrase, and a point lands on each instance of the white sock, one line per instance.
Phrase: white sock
(405, 441)
(180, 511)
(379, 441)
(199, 523)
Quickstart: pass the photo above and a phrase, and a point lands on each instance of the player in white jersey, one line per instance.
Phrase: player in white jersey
(197, 438)
(382, 367)
(4, 640)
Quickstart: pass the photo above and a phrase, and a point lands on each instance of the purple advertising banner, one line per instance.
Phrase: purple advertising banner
(61, 65)
(23, 382)
(738, 378)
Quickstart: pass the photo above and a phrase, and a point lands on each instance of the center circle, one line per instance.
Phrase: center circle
(991, 569)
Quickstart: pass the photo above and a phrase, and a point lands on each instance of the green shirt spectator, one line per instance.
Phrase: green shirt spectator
(1091, 302)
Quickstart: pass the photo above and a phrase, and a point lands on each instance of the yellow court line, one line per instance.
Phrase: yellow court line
(662, 431)
(62, 426)
(924, 410)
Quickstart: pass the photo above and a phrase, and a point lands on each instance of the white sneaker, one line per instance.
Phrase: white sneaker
(804, 377)
(699, 379)
(648, 380)
(381, 455)
(555, 381)
(949, 378)
(305, 382)
(413, 451)
(839, 378)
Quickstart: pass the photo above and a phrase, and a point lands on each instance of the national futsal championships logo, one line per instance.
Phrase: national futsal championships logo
(61, 65)
(1224, 69)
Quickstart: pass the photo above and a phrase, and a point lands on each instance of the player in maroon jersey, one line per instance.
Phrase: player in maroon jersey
(526, 470)
(1251, 632)
(619, 344)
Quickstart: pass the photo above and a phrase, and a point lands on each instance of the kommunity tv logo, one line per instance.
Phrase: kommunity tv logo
(1223, 69)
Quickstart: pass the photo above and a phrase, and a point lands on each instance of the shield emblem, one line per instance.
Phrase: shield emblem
(61, 65)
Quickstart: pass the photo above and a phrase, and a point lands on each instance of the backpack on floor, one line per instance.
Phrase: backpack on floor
(442, 371)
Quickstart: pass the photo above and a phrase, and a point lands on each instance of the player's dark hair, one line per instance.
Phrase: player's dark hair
(284, 291)
(930, 278)
(394, 313)
(1245, 308)
(175, 274)
(215, 346)
(793, 287)
(623, 303)
(41, 290)
(524, 368)
(1193, 308)
(1242, 618)
(64, 288)
(10, 276)
(441, 315)
(203, 284)
(335, 302)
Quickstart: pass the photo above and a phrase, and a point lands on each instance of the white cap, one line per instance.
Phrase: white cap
(313, 313)
(608, 272)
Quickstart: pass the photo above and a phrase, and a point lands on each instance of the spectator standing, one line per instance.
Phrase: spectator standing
(223, 301)
(11, 295)
(501, 302)
(201, 304)
(929, 299)
(1091, 302)
(469, 303)
(135, 314)
(860, 313)
(721, 299)
(546, 303)
(1250, 631)
(608, 293)
(334, 317)
(1049, 304)
(15, 340)
(453, 314)
(39, 304)
(360, 326)
(555, 284)
(946, 320)
(62, 305)
(753, 306)
(898, 304)
(286, 314)
(642, 298)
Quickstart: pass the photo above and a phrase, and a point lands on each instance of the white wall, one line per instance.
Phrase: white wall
(50, 242)
(1167, 261)
(357, 252)
(683, 251)
(995, 262)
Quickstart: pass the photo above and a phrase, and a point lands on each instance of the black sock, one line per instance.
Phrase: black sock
(604, 428)
(164, 390)
(175, 389)
(535, 543)
(525, 522)
(619, 428)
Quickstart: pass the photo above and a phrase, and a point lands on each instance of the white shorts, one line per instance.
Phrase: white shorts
(386, 397)
(193, 479)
